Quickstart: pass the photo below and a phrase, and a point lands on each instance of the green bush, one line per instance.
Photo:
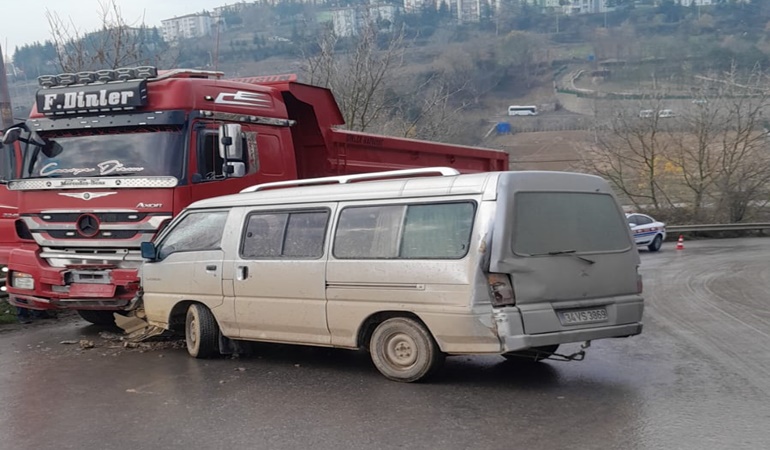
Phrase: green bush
(7, 312)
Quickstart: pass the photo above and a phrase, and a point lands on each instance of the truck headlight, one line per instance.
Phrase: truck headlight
(21, 280)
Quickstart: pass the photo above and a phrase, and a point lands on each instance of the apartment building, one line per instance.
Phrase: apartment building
(187, 26)
(349, 21)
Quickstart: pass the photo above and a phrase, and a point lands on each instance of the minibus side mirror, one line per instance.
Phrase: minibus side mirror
(149, 251)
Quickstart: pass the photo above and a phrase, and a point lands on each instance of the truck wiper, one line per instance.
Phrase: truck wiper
(564, 252)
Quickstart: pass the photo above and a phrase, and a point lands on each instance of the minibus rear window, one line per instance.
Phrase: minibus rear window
(549, 222)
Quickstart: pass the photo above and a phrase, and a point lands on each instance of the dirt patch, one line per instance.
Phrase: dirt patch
(552, 150)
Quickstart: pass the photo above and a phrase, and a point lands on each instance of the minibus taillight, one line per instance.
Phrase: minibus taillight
(639, 283)
(500, 289)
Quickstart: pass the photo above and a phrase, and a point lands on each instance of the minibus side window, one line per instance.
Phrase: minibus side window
(437, 231)
(198, 231)
(285, 235)
(419, 231)
(368, 232)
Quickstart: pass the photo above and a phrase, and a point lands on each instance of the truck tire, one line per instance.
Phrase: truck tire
(403, 350)
(102, 318)
(201, 332)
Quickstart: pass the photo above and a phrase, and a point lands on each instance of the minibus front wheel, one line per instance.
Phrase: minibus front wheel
(403, 350)
(201, 332)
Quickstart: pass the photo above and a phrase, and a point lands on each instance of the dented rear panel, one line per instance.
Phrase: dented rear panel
(563, 240)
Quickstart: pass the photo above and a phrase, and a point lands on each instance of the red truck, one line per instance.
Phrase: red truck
(109, 157)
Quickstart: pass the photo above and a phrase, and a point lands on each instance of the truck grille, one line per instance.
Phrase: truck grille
(93, 238)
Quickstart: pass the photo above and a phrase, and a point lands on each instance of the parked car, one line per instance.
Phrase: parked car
(666, 113)
(646, 113)
(647, 231)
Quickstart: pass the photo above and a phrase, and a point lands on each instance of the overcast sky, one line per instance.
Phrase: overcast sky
(25, 22)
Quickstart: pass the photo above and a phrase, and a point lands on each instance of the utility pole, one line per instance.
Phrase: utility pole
(6, 111)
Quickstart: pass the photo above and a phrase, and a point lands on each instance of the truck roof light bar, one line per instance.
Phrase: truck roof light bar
(86, 77)
(122, 74)
(98, 76)
(345, 179)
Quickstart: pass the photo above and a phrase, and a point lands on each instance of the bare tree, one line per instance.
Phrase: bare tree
(522, 53)
(712, 162)
(470, 71)
(632, 152)
(428, 111)
(376, 93)
(358, 77)
(744, 161)
(118, 43)
(695, 149)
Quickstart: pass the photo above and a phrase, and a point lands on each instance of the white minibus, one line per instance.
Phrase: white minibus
(411, 269)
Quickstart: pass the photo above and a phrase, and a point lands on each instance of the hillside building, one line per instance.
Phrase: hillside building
(187, 26)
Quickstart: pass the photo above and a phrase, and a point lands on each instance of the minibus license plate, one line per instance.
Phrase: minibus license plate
(583, 316)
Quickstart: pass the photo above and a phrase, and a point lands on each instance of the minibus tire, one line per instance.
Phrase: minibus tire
(655, 244)
(533, 354)
(101, 318)
(402, 349)
(201, 332)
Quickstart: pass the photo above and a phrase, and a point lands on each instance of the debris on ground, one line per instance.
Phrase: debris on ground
(155, 345)
(107, 336)
(70, 342)
(85, 343)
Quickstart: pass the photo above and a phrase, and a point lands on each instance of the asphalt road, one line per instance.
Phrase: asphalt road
(697, 378)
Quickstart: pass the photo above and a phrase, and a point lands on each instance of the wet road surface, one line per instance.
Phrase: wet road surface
(697, 378)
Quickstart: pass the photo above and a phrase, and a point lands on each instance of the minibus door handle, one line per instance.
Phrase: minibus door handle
(211, 268)
(243, 273)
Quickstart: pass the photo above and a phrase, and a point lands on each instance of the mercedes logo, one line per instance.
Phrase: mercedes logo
(88, 225)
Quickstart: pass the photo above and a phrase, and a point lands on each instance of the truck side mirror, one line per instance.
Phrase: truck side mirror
(230, 142)
(149, 251)
(12, 135)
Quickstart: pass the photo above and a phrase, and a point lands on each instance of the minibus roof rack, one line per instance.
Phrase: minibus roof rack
(344, 179)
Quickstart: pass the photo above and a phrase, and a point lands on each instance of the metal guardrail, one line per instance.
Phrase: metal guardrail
(718, 227)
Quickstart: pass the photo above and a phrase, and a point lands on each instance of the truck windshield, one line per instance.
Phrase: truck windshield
(134, 151)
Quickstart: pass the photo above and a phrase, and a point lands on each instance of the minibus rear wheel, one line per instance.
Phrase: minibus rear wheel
(201, 332)
(402, 349)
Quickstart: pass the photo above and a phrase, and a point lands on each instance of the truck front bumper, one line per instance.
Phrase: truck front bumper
(83, 287)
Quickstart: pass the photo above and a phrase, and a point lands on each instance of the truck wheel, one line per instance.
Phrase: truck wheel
(655, 244)
(201, 332)
(103, 318)
(532, 354)
(403, 350)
